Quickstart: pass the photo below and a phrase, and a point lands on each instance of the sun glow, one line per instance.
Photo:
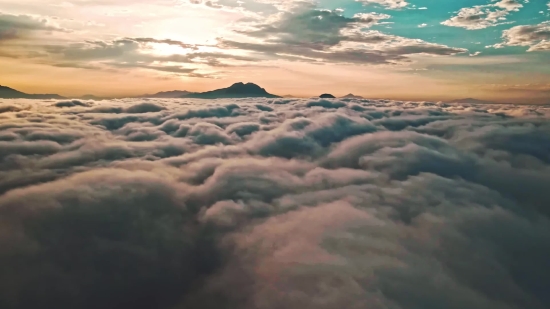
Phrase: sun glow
(162, 49)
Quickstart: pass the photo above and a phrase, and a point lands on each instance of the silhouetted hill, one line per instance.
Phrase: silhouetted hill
(471, 100)
(327, 96)
(9, 93)
(92, 97)
(238, 90)
(168, 94)
(352, 96)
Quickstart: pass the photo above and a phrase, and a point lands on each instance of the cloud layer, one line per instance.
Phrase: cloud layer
(273, 203)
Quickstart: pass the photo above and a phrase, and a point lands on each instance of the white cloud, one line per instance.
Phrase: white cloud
(536, 37)
(483, 16)
(390, 4)
(509, 5)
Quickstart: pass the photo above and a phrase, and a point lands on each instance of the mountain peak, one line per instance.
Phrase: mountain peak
(246, 87)
(168, 94)
(237, 90)
(10, 93)
(471, 100)
(352, 96)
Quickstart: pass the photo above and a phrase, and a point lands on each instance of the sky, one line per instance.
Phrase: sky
(397, 49)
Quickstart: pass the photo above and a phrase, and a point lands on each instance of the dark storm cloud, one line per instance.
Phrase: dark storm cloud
(262, 203)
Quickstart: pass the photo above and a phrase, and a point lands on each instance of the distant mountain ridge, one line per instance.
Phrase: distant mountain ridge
(10, 93)
(168, 94)
(352, 96)
(471, 100)
(92, 97)
(237, 90)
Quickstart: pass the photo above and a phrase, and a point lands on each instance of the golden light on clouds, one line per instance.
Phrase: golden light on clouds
(293, 47)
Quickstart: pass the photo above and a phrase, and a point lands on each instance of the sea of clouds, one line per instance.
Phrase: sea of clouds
(273, 203)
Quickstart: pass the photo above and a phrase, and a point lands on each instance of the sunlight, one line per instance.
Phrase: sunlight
(161, 49)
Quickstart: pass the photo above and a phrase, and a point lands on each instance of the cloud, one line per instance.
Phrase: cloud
(257, 31)
(483, 16)
(144, 108)
(165, 41)
(125, 242)
(390, 4)
(255, 6)
(18, 26)
(136, 53)
(71, 103)
(4, 108)
(310, 34)
(140, 108)
(536, 37)
(313, 26)
(270, 203)
(510, 5)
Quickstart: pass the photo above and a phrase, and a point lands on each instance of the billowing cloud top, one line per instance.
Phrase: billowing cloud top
(273, 203)
(279, 44)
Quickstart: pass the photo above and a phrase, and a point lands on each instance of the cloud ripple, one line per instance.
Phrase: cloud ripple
(262, 203)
